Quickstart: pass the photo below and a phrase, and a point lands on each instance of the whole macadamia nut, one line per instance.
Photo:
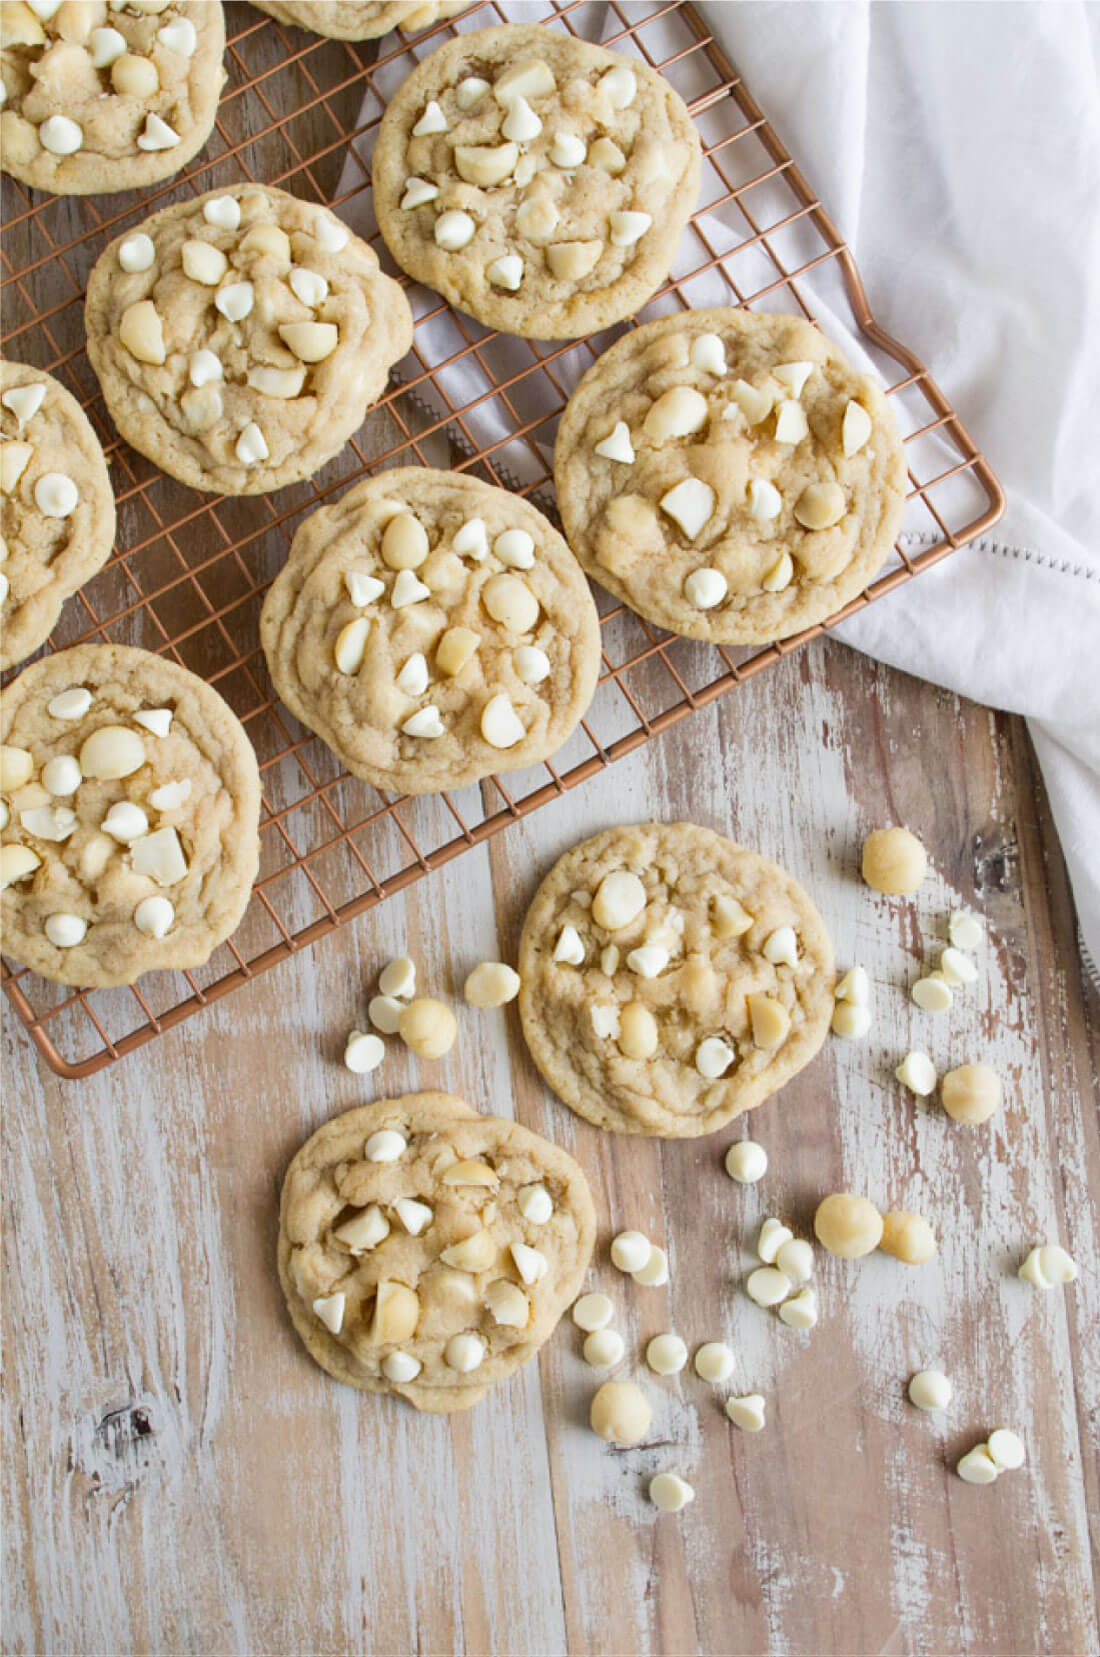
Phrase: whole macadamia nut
(848, 1226)
(894, 861)
(907, 1237)
(620, 1413)
(971, 1094)
(428, 1027)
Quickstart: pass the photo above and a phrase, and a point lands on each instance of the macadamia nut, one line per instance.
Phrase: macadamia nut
(894, 862)
(620, 1413)
(848, 1226)
(971, 1094)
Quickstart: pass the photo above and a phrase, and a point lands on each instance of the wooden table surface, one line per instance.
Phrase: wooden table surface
(181, 1478)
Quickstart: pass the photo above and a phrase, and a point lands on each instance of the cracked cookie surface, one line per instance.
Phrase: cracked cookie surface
(730, 475)
(427, 1251)
(537, 182)
(432, 629)
(131, 802)
(671, 980)
(240, 337)
(57, 507)
(102, 97)
(360, 19)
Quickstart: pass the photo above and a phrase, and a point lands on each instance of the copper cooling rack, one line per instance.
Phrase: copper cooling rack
(191, 570)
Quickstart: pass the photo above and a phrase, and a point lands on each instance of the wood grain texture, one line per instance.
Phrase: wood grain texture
(180, 1478)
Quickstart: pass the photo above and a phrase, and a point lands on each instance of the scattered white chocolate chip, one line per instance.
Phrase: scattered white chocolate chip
(48, 822)
(746, 1161)
(526, 80)
(708, 353)
(593, 1311)
(501, 726)
(158, 721)
(977, 1466)
(24, 401)
(619, 900)
(535, 1204)
(820, 505)
(567, 150)
(713, 1057)
(531, 1264)
(16, 863)
(965, 930)
(470, 91)
(464, 1353)
(331, 233)
(56, 495)
(222, 211)
(956, 967)
(453, 230)
(330, 1310)
(418, 191)
(630, 1251)
(154, 917)
(159, 856)
(714, 1361)
(773, 1234)
(401, 1367)
(60, 135)
(780, 575)
(626, 228)
(179, 35)
(679, 412)
(850, 1022)
(413, 677)
(1048, 1265)
(431, 121)
(606, 153)
(648, 961)
(654, 1274)
(471, 540)
(491, 984)
(475, 1253)
(408, 589)
(781, 947)
(362, 589)
(157, 134)
(690, 505)
(251, 445)
(603, 1348)
(795, 1259)
(854, 986)
(428, 1028)
(705, 588)
(14, 460)
(932, 993)
(384, 1012)
(425, 723)
(515, 548)
(747, 1412)
(61, 775)
(617, 445)
(111, 752)
(398, 978)
(929, 1389)
(125, 822)
(309, 286)
(800, 1311)
(855, 428)
(105, 45)
(765, 501)
(917, 1072)
(609, 960)
(605, 1019)
(310, 341)
(171, 795)
(530, 664)
(971, 1093)
(364, 1231)
(363, 1052)
(791, 426)
(65, 931)
(235, 301)
(572, 261)
(204, 368)
(385, 1145)
(666, 1354)
(1006, 1449)
(507, 1303)
(520, 123)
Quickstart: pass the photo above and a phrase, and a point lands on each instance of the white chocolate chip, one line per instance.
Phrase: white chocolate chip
(501, 726)
(24, 401)
(1006, 1449)
(251, 445)
(573, 261)
(60, 135)
(470, 91)
(714, 1361)
(780, 575)
(309, 286)
(708, 354)
(16, 863)
(158, 721)
(111, 752)
(464, 1353)
(70, 704)
(203, 262)
(746, 1161)
(154, 917)
(747, 1412)
(767, 1286)
(413, 677)
(202, 408)
(401, 1367)
(363, 1052)
(791, 425)
(679, 412)
(276, 382)
(526, 80)
(855, 986)
(330, 1310)
(520, 123)
(1048, 1266)
(929, 1389)
(331, 233)
(506, 272)
(491, 984)
(61, 775)
(362, 589)
(535, 1204)
(956, 967)
(414, 1216)
(730, 918)
(160, 857)
(179, 36)
(795, 1259)
(418, 191)
(141, 331)
(606, 153)
(16, 768)
(235, 301)
(628, 228)
(605, 1019)
(426, 723)
(48, 822)
(593, 1311)
(648, 961)
(689, 504)
(855, 428)
(619, 85)
(666, 1354)
(157, 134)
(617, 445)
(14, 460)
(619, 899)
(654, 1274)
(977, 1466)
(965, 930)
(531, 1263)
(750, 401)
(453, 230)
(567, 150)
(408, 589)
(125, 822)
(917, 1072)
(384, 1012)
(538, 217)
(820, 505)
(431, 121)
(65, 931)
(56, 495)
(204, 368)
(770, 1020)
(630, 1251)
(385, 1145)
(849, 1022)
(364, 1231)
(932, 993)
(310, 341)
(171, 795)
(603, 1348)
(713, 1058)
(530, 664)
(224, 212)
(398, 978)
(781, 947)
(800, 1311)
(773, 1234)
(793, 375)
(609, 960)
(507, 1304)
(105, 45)
(471, 540)
(515, 548)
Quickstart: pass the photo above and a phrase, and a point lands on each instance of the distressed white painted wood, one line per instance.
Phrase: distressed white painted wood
(180, 1478)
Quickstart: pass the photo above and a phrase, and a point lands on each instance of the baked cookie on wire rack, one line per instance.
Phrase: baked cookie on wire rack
(101, 98)
(427, 1251)
(240, 337)
(730, 475)
(57, 507)
(361, 19)
(671, 980)
(130, 811)
(536, 181)
(432, 629)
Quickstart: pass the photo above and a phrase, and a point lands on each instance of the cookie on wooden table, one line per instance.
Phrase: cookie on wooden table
(130, 814)
(432, 629)
(730, 475)
(360, 19)
(427, 1251)
(57, 507)
(100, 97)
(537, 182)
(671, 979)
(241, 336)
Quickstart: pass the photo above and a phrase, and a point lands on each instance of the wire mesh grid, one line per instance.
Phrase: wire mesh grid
(302, 112)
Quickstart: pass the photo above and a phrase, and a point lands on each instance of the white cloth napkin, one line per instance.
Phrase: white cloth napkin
(958, 148)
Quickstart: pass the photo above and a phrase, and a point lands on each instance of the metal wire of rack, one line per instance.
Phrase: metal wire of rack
(301, 112)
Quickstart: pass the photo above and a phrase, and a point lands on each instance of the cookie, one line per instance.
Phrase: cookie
(101, 98)
(427, 1251)
(241, 336)
(131, 802)
(360, 19)
(730, 475)
(57, 507)
(537, 182)
(671, 980)
(432, 630)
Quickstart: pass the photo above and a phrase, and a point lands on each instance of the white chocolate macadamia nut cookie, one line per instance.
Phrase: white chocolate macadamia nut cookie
(360, 19)
(405, 1255)
(57, 508)
(432, 629)
(131, 812)
(240, 337)
(105, 95)
(729, 475)
(537, 182)
(671, 1013)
